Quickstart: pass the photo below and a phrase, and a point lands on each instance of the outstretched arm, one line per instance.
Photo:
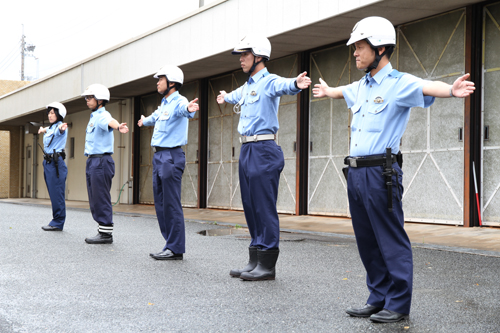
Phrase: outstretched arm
(460, 88)
(322, 89)
(122, 128)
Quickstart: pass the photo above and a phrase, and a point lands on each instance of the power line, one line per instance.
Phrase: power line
(10, 54)
(7, 61)
(7, 66)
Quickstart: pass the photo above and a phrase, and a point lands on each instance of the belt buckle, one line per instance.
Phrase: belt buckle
(353, 163)
(254, 138)
(154, 149)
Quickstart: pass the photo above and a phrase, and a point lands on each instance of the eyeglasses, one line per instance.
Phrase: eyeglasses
(88, 98)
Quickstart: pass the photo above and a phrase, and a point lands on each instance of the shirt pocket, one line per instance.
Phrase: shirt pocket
(356, 117)
(376, 118)
(162, 122)
(252, 100)
(90, 133)
(47, 139)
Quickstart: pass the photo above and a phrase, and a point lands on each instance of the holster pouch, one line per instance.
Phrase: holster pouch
(399, 159)
(345, 171)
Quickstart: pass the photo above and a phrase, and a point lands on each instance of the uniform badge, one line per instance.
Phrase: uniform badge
(378, 100)
(253, 93)
(91, 124)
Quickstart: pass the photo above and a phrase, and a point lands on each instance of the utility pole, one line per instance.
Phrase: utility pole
(22, 54)
(26, 48)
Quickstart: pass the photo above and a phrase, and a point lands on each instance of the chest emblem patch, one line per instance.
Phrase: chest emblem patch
(253, 93)
(378, 100)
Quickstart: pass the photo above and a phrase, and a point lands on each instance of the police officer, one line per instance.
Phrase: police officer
(170, 123)
(100, 167)
(54, 168)
(380, 103)
(261, 159)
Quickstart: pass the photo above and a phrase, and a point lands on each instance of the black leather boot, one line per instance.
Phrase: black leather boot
(265, 269)
(252, 262)
(100, 238)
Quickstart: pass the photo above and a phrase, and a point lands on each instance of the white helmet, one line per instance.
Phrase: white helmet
(377, 30)
(259, 45)
(173, 73)
(60, 108)
(97, 90)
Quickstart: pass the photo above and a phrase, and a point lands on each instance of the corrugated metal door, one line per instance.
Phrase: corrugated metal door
(490, 117)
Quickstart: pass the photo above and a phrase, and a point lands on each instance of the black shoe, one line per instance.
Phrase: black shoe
(387, 316)
(252, 262)
(50, 228)
(266, 266)
(167, 255)
(155, 254)
(100, 238)
(365, 311)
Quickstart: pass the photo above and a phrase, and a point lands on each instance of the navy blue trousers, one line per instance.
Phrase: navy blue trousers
(383, 244)
(168, 167)
(100, 172)
(260, 166)
(56, 187)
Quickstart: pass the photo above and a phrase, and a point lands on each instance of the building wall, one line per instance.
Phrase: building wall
(4, 164)
(76, 187)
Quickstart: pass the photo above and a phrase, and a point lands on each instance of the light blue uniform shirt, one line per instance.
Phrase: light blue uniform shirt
(259, 108)
(170, 121)
(381, 110)
(54, 139)
(99, 138)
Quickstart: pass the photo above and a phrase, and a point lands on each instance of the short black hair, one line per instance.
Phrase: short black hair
(177, 85)
(56, 111)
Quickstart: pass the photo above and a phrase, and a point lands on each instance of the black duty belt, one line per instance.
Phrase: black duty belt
(379, 160)
(157, 149)
(367, 161)
(99, 155)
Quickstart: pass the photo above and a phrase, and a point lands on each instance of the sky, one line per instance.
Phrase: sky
(67, 31)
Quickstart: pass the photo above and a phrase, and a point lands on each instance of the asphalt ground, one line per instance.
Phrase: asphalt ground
(55, 282)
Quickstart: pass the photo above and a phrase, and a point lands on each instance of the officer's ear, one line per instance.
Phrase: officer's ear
(381, 50)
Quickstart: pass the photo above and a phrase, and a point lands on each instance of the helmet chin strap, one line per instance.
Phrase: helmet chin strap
(378, 57)
(165, 93)
(98, 106)
(255, 63)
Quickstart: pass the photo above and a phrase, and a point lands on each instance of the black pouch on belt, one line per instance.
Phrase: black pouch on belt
(56, 158)
(345, 171)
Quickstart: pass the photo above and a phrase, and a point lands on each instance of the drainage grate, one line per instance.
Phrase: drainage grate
(243, 234)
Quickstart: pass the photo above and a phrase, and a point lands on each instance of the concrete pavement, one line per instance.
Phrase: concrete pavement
(484, 240)
(55, 282)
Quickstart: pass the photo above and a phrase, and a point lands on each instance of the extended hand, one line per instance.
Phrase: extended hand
(139, 123)
(220, 98)
(462, 88)
(319, 90)
(193, 106)
(123, 128)
(63, 127)
(303, 82)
